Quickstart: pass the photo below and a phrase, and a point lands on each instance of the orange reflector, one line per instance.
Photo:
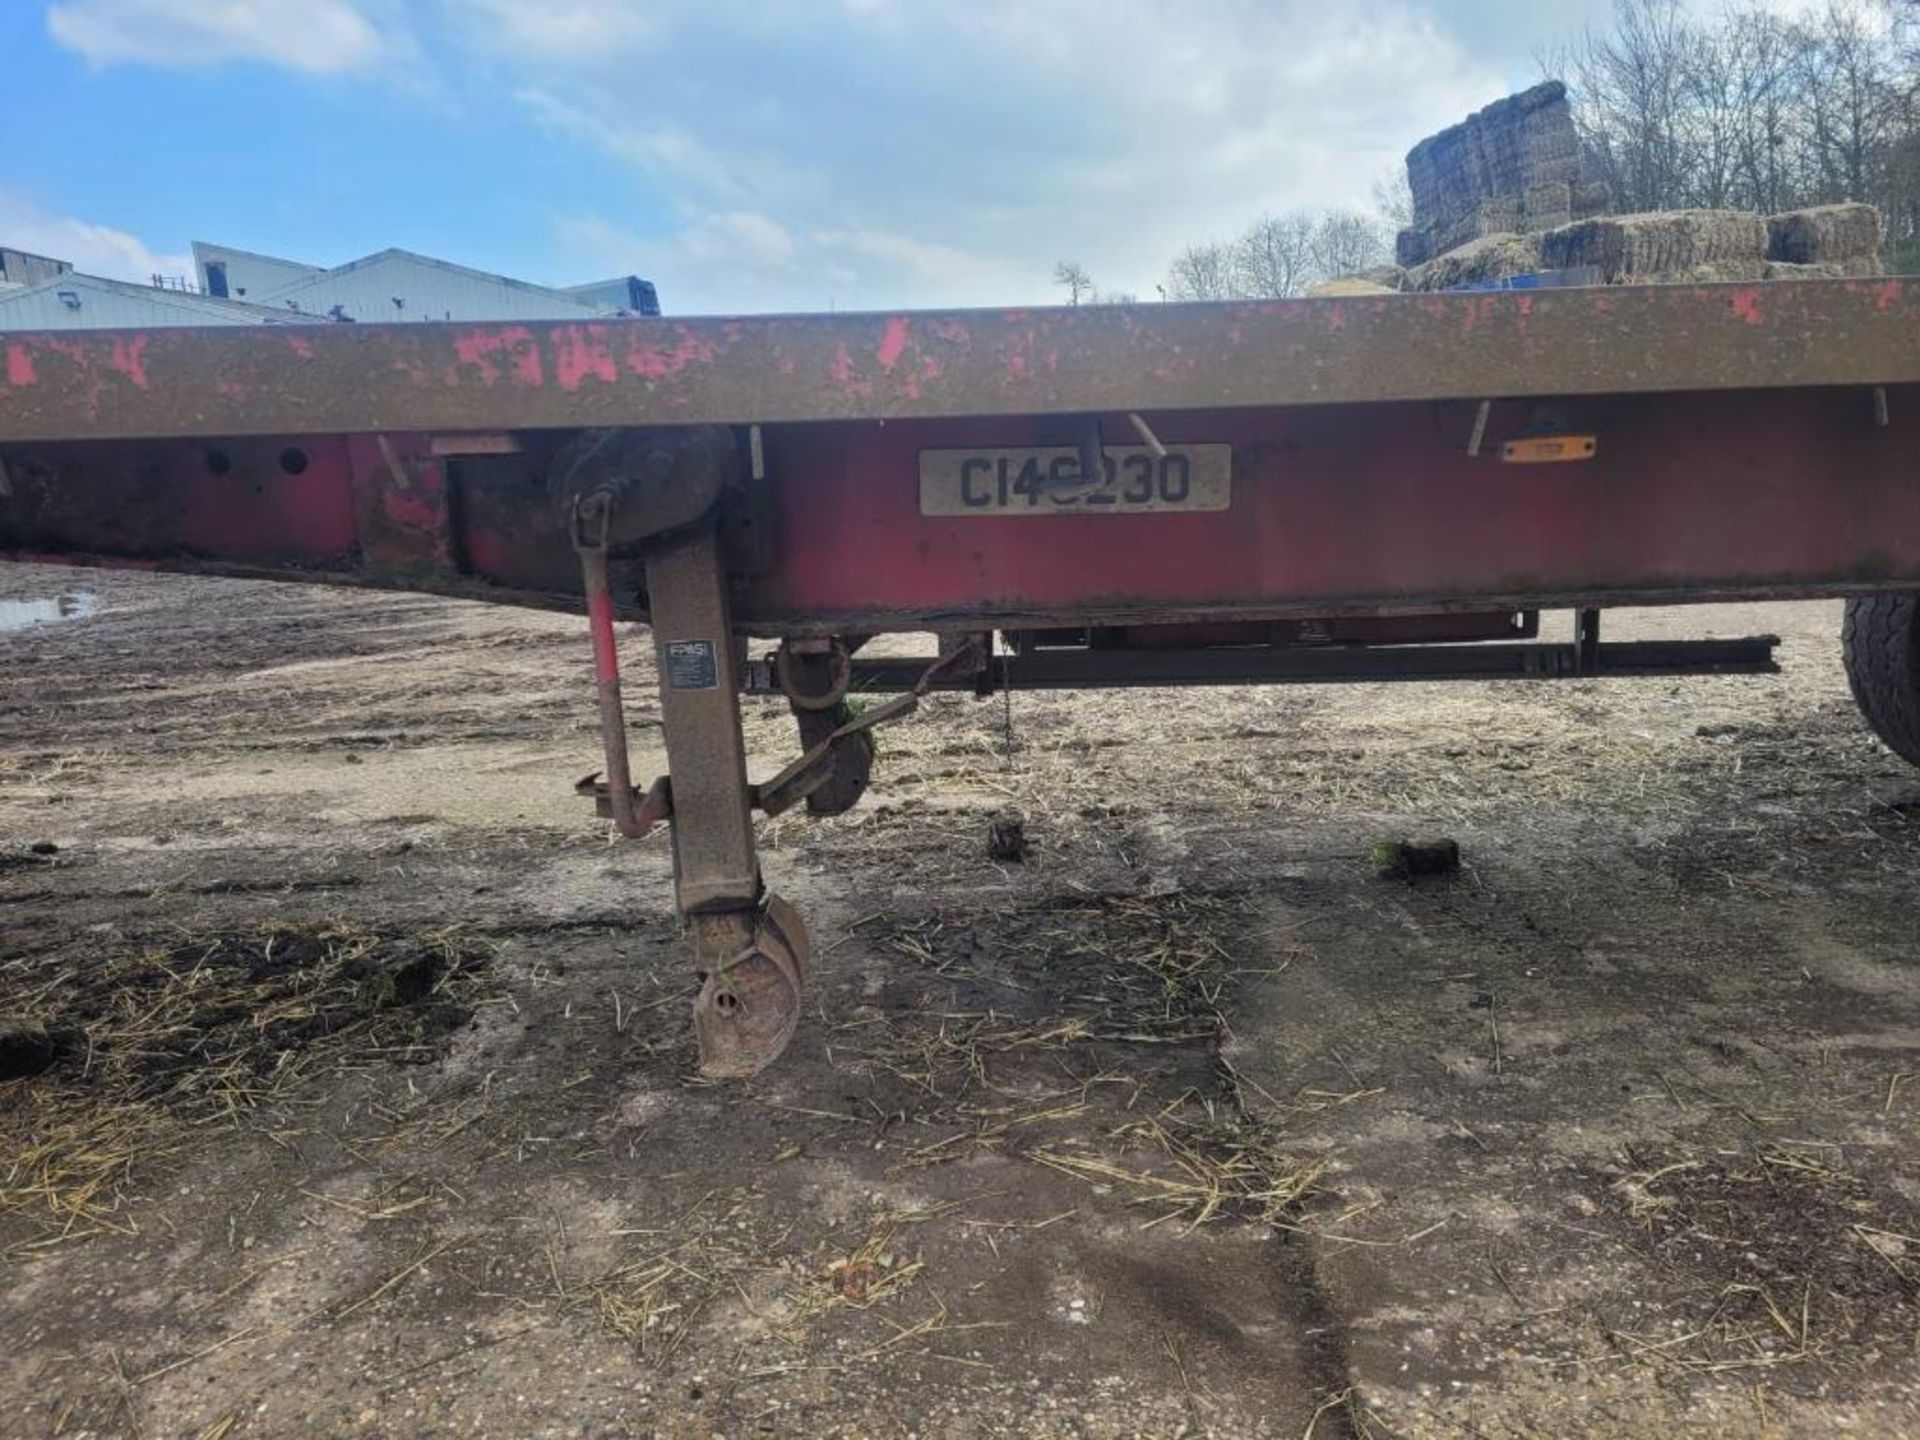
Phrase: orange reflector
(1548, 449)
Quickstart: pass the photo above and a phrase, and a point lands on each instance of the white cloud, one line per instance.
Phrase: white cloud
(720, 262)
(888, 152)
(662, 147)
(317, 36)
(92, 248)
(950, 153)
(562, 30)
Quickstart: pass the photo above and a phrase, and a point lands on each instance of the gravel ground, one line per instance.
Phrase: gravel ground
(371, 1110)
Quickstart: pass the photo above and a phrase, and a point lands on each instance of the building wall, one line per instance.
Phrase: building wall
(87, 302)
(17, 267)
(426, 290)
(244, 275)
(623, 292)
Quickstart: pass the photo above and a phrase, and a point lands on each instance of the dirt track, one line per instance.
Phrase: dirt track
(374, 1114)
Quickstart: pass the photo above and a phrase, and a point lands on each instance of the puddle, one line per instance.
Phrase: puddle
(68, 605)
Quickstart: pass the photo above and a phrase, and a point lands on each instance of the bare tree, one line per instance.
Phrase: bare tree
(1203, 272)
(1273, 257)
(1279, 255)
(1853, 102)
(1764, 50)
(1634, 87)
(1346, 241)
(1073, 275)
(1393, 196)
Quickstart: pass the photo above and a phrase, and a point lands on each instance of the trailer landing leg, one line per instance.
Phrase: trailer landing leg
(750, 946)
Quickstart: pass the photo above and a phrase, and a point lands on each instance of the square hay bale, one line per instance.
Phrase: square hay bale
(1863, 268)
(1495, 215)
(1664, 242)
(1548, 207)
(1824, 234)
(1717, 272)
(1494, 257)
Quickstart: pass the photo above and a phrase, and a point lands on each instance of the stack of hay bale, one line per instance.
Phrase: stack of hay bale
(1502, 194)
(1827, 242)
(1510, 169)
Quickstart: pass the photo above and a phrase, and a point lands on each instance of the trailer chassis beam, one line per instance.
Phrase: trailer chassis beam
(1086, 669)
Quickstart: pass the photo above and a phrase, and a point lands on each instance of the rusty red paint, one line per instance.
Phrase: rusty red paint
(20, 371)
(1337, 508)
(1362, 507)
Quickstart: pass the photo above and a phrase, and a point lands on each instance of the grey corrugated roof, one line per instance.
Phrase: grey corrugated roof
(37, 307)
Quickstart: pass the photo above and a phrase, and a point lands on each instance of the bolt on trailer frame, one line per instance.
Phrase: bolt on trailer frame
(1355, 488)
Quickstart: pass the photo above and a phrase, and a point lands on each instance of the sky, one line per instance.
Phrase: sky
(779, 155)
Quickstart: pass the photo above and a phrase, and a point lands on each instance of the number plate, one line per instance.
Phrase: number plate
(1047, 482)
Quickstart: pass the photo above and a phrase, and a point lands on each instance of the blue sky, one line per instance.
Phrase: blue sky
(799, 155)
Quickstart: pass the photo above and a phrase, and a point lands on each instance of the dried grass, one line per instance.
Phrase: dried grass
(1774, 1257)
(729, 1249)
(159, 1041)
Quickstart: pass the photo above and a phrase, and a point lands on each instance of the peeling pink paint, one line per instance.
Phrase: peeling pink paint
(929, 367)
(582, 353)
(1745, 303)
(129, 358)
(1887, 295)
(1526, 305)
(498, 353)
(658, 362)
(20, 371)
(893, 341)
(842, 366)
(1017, 366)
(300, 345)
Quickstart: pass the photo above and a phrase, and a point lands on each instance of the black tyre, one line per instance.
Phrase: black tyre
(1881, 643)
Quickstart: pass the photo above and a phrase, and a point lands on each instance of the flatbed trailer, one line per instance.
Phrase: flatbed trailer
(1355, 488)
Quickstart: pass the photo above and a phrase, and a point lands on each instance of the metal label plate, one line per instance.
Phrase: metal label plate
(1048, 482)
(690, 665)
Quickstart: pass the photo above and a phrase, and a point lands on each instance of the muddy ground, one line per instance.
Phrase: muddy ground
(370, 1107)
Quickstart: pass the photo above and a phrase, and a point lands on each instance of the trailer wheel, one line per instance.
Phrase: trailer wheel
(1881, 643)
